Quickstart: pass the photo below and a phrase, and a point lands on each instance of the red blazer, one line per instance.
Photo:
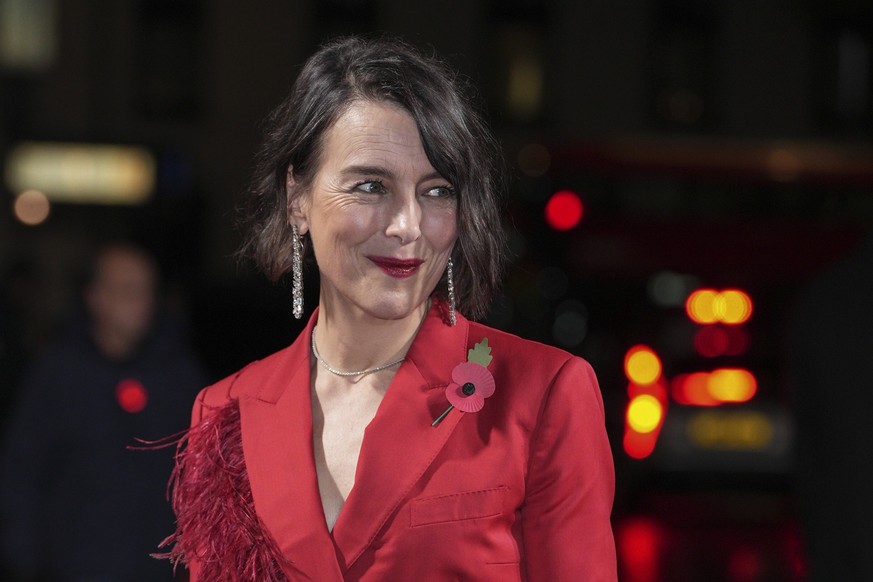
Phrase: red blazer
(521, 490)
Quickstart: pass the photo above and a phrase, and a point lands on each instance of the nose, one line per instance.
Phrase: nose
(405, 222)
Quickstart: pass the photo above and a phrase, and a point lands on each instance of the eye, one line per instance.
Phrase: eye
(371, 187)
(440, 192)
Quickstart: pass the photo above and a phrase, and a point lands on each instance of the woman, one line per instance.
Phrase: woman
(394, 439)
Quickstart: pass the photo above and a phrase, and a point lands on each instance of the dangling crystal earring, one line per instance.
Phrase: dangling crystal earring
(296, 272)
(451, 286)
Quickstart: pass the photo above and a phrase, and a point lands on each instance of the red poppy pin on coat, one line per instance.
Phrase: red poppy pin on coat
(471, 382)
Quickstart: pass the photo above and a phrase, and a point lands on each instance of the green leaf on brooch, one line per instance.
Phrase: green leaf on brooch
(480, 353)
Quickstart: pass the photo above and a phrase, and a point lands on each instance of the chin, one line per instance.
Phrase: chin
(393, 308)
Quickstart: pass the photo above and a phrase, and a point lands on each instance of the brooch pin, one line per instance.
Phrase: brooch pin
(471, 382)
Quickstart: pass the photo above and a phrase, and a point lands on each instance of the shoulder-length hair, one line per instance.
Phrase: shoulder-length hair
(455, 138)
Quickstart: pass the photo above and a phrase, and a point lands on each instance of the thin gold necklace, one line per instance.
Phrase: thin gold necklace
(333, 370)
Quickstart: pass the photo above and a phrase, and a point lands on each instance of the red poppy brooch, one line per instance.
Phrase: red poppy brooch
(471, 382)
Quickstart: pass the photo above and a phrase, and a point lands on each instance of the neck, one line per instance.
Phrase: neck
(351, 340)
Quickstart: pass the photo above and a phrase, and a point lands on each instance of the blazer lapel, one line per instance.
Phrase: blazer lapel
(400, 443)
(276, 415)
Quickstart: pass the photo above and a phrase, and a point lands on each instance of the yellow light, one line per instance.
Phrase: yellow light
(700, 306)
(642, 365)
(734, 306)
(731, 306)
(644, 413)
(83, 173)
(31, 207)
(748, 430)
(731, 385)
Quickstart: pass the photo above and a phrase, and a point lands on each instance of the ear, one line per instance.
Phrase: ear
(296, 202)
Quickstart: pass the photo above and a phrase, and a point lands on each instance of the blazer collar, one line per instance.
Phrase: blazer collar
(399, 445)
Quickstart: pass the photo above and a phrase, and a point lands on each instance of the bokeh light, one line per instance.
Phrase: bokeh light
(732, 385)
(131, 395)
(639, 445)
(692, 390)
(563, 210)
(731, 306)
(700, 306)
(644, 413)
(734, 306)
(737, 430)
(31, 207)
(642, 365)
(639, 543)
(712, 341)
(724, 385)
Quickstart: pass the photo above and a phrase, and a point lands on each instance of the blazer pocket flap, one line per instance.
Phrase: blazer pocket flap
(457, 506)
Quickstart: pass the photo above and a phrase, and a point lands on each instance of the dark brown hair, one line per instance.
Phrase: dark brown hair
(455, 139)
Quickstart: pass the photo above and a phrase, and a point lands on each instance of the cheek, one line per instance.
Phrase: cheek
(340, 229)
(442, 229)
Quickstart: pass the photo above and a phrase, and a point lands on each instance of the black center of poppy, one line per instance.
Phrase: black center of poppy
(468, 388)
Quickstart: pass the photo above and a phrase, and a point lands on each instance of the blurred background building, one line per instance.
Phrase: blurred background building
(681, 169)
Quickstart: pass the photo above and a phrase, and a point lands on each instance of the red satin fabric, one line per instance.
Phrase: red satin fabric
(521, 490)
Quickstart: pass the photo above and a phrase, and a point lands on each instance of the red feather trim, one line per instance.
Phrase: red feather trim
(216, 523)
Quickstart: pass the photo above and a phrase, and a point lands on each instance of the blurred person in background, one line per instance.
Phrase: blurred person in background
(830, 347)
(77, 504)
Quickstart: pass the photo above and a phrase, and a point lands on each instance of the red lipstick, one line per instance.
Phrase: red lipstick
(397, 268)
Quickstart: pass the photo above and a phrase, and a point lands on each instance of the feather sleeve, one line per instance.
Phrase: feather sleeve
(218, 534)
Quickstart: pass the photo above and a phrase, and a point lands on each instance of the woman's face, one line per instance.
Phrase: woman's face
(382, 221)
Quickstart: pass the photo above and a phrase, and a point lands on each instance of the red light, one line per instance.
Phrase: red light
(564, 210)
(639, 544)
(738, 341)
(693, 390)
(644, 418)
(639, 445)
(744, 565)
(131, 395)
(711, 341)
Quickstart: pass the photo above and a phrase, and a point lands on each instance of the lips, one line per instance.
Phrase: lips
(397, 268)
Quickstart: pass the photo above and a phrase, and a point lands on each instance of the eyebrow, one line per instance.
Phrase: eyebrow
(382, 172)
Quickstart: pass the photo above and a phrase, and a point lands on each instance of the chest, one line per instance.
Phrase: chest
(339, 420)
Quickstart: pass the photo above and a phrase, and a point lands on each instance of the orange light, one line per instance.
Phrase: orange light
(713, 388)
(700, 306)
(731, 306)
(644, 413)
(732, 385)
(642, 365)
(564, 210)
(692, 390)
